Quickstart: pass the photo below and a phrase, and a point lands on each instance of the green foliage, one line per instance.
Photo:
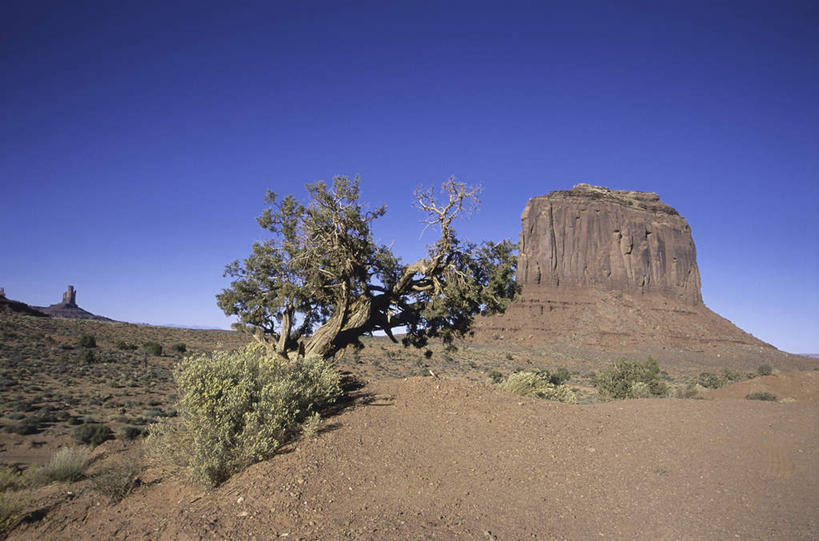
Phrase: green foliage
(765, 370)
(10, 507)
(537, 385)
(126, 346)
(494, 376)
(321, 282)
(92, 434)
(153, 348)
(88, 357)
(10, 479)
(557, 377)
(710, 381)
(311, 426)
(626, 379)
(764, 395)
(732, 376)
(179, 348)
(87, 341)
(66, 465)
(237, 408)
(130, 432)
(118, 477)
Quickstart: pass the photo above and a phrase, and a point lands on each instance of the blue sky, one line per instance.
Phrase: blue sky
(137, 139)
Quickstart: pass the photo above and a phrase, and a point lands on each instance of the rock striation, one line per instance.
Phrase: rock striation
(68, 309)
(594, 237)
(616, 272)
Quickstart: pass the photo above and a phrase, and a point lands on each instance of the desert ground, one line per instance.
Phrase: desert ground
(423, 446)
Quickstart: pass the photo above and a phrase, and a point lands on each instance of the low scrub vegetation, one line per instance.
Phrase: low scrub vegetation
(87, 341)
(118, 477)
(10, 506)
(237, 408)
(92, 434)
(631, 379)
(766, 396)
(153, 348)
(66, 465)
(538, 385)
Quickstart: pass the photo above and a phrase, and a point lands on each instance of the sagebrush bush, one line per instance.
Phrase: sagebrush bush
(765, 370)
(494, 376)
(180, 347)
(92, 434)
(537, 385)
(627, 379)
(87, 341)
(311, 426)
(710, 381)
(10, 507)
(761, 395)
(238, 407)
(118, 477)
(153, 348)
(66, 465)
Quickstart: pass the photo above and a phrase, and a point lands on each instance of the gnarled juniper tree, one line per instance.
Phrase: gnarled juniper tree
(320, 282)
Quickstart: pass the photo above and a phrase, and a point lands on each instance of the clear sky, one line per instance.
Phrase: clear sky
(137, 138)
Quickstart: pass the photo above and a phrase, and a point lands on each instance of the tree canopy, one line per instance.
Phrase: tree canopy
(320, 282)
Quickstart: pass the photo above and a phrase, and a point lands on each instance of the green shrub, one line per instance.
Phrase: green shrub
(153, 348)
(238, 407)
(558, 377)
(732, 375)
(710, 381)
(619, 381)
(118, 477)
(66, 465)
(10, 479)
(87, 341)
(125, 346)
(180, 348)
(10, 507)
(131, 432)
(311, 426)
(761, 396)
(537, 385)
(92, 434)
(87, 356)
(494, 376)
(765, 370)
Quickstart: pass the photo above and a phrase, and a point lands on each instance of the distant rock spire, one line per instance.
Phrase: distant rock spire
(70, 296)
(2, 293)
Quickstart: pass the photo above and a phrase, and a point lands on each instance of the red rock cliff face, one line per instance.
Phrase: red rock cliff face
(592, 237)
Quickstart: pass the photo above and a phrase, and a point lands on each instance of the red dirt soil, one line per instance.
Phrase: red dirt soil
(429, 458)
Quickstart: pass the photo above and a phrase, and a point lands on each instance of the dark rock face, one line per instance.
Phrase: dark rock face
(609, 240)
(70, 297)
(12, 306)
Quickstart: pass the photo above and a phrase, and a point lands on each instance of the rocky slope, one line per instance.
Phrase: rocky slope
(12, 306)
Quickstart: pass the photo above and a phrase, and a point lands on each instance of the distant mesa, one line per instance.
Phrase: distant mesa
(11, 306)
(68, 309)
(614, 271)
